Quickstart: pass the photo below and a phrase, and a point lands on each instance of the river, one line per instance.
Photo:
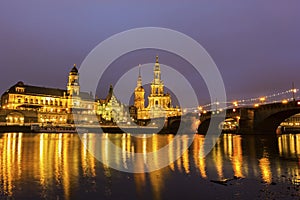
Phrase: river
(58, 166)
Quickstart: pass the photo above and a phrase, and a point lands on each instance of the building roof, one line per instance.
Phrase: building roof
(44, 91)
(74, 69)
(110, 93)
(140, 88)
(86, 96)
(36, 90)
(108, 97)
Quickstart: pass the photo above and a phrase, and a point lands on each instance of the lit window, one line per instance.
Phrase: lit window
(20, 89)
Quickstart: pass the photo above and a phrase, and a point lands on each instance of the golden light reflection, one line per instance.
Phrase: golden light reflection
(178, 148)
(140, 183)
(199, 157)
(60, 160)
(124, 149)
(155, 148)
(157, 179)
(87, 161)
(52, 159)
(265, 169)
(218, 160)
(289, 145)
(6, 162)
(171, 152)
(185, 155)
(237, 157)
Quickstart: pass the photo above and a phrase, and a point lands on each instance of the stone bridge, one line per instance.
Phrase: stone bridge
(262, 119)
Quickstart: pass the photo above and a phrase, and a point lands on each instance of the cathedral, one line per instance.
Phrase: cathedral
(159, 102)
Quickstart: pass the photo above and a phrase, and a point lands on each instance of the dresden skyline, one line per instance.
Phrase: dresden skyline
(254, 44)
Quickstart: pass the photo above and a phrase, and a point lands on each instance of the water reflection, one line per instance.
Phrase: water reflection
(44, 165)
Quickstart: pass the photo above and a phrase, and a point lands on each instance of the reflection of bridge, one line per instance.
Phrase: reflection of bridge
(263, 118)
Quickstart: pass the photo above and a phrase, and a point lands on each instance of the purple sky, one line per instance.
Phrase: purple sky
(255, 44)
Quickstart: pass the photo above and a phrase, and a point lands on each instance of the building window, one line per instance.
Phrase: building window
(36, 101)
(60, 103)
(51, 102)
(42, 101)
(20, 89)
(56, 104)
(46, 102)
(31, 101)
(19, 100)
(26, 100)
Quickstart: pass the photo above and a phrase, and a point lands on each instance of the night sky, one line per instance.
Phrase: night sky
(255, 44)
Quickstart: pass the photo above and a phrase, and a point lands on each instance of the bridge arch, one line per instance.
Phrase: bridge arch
(204, 123)
(270, 123)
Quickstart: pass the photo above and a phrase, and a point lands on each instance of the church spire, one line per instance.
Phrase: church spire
(139, 81)
(157, 72)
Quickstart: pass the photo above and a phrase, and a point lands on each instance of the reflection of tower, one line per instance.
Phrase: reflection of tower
(139, 92)
(73, 83)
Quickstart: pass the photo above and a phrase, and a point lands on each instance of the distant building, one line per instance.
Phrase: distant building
(32, 104)
(111, 109)
(23, 103)
(159, 103)
(293, 121)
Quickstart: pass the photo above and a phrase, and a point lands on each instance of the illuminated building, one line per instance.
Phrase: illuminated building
(159, 103)
(111, 109)
(32, 104)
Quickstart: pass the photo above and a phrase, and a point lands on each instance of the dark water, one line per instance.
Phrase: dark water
(57, 166)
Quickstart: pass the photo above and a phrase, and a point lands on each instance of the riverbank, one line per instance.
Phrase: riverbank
(79, 129)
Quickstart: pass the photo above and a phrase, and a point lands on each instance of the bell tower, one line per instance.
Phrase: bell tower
(73, 87)
(139, 93)
(157, 86)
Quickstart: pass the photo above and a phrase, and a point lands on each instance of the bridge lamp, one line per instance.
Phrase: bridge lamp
(298, 103)
(235, 103)
(262, 99)
(256, 105)
(233, 110)
(284, 101)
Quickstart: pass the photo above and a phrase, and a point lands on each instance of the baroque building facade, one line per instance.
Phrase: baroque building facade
(159, 102)
(23, 103)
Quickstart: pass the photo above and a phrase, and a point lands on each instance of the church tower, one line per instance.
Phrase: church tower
(159, 102)
(157, 86)
(139, 93)
(73, 87)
